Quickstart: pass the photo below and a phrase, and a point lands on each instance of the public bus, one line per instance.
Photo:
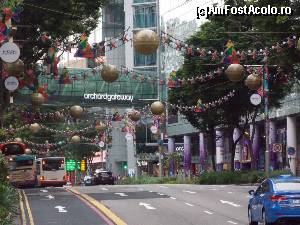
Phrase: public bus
(51, 171)
(21, 167)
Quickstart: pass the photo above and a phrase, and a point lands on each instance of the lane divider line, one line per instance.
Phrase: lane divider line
(231, 222)
(188, 204)
(208, 212)
(28, 209)
(23, 218)
(172, 198)
(112, 216)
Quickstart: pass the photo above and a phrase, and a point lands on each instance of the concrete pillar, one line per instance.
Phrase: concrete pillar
(291, 137)
(187, 154)
(238, 149)
(131, 156)
(171, 149)
(220, 149)
(255, 145)
(202, 153)
(272, 140)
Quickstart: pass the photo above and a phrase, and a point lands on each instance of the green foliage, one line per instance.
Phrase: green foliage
(59, 19)
(8, 197)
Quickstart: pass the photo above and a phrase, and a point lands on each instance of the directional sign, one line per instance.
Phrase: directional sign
(61, 208)
(146, 205)
(230, 203)
(70, 165)
(121, 194)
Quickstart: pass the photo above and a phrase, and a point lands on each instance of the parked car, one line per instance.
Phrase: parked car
(88, 180)
(276, 200)
(103, 177)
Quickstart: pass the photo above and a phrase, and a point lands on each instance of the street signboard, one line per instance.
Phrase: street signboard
(255, 99)
(70, 165)
(291, 151)
(9, 52)
(277, 147)
(11, 83)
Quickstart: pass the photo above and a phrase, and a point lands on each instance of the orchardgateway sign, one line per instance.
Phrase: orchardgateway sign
(108, 97)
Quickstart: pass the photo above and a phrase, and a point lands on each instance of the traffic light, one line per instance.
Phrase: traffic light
(125, 165)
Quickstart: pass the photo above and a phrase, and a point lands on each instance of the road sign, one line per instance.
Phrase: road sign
(9, 52)
(70, 165)
(154, 129)
(255, 99)
(291, 151)
(277, 147)
(11, 83)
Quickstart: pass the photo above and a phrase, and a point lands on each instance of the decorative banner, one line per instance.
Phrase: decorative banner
(84, 48)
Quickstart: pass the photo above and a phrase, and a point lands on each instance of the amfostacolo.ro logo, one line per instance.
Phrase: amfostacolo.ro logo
(249, 10)
(108, 97)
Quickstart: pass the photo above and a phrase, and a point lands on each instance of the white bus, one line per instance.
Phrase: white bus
(51, 171)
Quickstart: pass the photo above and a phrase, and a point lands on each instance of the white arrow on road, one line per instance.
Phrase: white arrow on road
(50, 196)
(104, 189)
(121, 194)
(146, 205)
(61, 208)
(230, 203)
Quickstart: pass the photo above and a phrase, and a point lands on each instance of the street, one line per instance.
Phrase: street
(140, 204)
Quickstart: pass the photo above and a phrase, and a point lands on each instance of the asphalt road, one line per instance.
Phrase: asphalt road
(56, 206)
(174, 204)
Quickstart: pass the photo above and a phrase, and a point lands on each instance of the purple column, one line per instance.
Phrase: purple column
(219, 150)
(171, 149)
(187, 154)
(255, 146)
(202, 154)
(238, 149)
(272, 140)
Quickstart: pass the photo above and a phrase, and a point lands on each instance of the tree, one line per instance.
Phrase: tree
(212, 36)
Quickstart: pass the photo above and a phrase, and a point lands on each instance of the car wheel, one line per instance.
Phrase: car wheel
(250, 218)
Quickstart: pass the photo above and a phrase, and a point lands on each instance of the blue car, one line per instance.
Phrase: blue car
(276, 200)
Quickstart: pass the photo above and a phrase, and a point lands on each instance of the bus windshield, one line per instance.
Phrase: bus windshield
(53, 164)
(13, 149)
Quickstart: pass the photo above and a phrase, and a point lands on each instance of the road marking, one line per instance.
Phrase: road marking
(28, 209)
(214, 189)
(229, 192)
(191, 192)
(208, 212)
(50, 197)
(146, 205)
(230, 203)
(104, 189)
(43, 190)
(121, 194)
(150, 191)
(22, 208)
(160, 194)
(163, 186)
(222, 186)
(61, 208)
(188, 204)
(231, 222)
(172, 198)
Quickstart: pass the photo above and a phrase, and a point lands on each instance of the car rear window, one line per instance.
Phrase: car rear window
(293, 185)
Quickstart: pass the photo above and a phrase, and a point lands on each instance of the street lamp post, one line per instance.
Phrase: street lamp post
(267, 119)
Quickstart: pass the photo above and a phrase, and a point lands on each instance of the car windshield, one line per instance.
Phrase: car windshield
(291, 185)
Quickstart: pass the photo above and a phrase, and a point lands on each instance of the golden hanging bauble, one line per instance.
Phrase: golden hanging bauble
(35, 128)
(28, 151)
(157, 108)
(235, 72)
(76, 111)
(145, 42)
(18, 140)
(100, 126)
(75, 139)
(135, 115)
(15, 68)
(109, 73)
(37, 99)
(253, 82)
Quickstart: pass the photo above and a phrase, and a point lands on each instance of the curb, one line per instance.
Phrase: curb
(108, 213)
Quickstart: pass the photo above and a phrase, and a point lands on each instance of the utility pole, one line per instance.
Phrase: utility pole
(267, 119)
